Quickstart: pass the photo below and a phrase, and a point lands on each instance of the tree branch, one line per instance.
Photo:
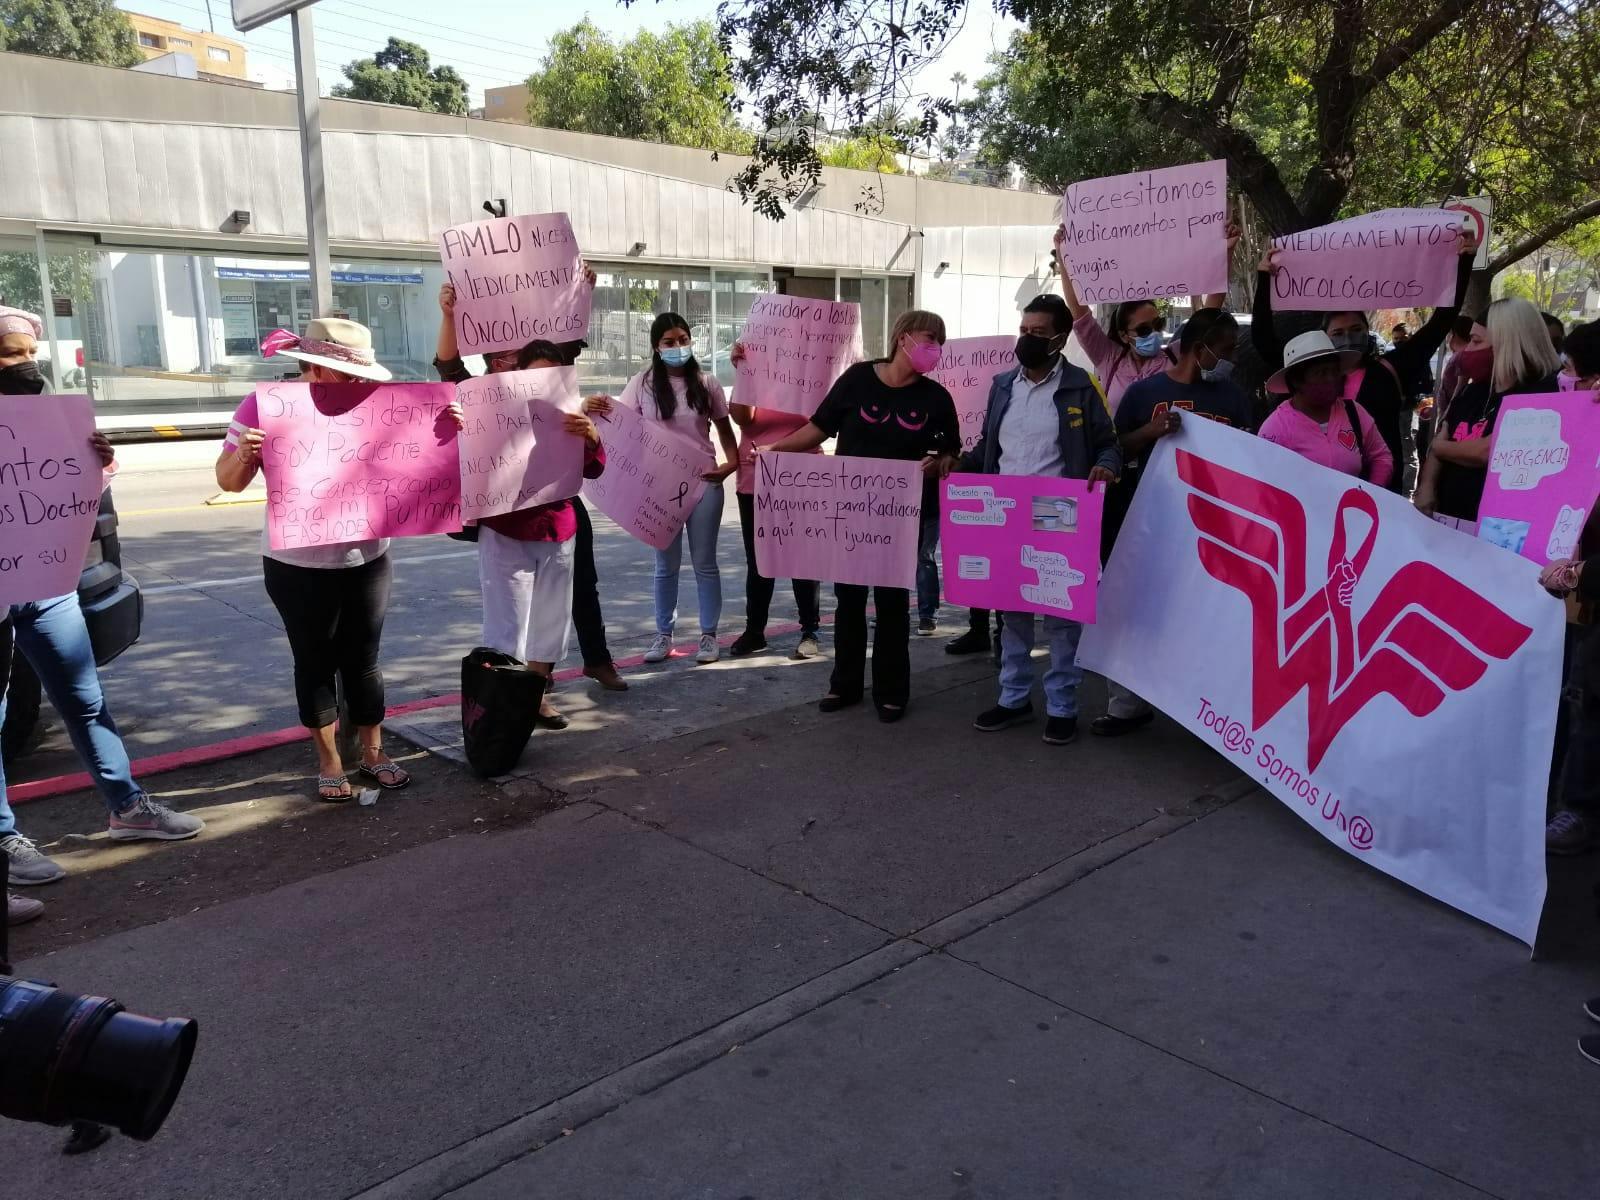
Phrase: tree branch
(1247, 163)
(1547, 232)
(1397, 54)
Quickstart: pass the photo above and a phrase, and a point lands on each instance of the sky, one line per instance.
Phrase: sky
(478, 45)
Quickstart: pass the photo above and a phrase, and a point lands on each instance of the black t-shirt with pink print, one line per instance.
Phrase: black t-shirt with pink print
(872, 420)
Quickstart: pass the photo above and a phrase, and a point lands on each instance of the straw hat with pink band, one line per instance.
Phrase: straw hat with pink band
(15, 320)
(330, 342)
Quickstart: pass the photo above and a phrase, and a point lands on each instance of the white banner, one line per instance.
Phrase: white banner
(1392, 681)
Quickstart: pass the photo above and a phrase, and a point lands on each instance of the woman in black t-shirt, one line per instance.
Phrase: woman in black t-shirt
(884, 409)
(1522, 361)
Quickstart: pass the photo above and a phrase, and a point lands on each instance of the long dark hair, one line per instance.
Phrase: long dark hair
(661, 381)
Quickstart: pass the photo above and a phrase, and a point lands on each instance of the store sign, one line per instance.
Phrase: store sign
(290, 275)
(252, 14)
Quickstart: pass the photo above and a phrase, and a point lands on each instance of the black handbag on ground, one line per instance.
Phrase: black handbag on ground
(500, 701)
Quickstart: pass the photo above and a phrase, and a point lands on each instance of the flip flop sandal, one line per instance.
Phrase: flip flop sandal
(387, 775)
(334, 783)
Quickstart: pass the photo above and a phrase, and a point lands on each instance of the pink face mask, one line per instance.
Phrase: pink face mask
(924, 356)
(1566, 383)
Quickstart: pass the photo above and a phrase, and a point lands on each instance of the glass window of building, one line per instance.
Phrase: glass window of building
(220, 53)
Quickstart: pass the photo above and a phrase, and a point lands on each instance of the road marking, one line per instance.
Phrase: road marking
(236, 580)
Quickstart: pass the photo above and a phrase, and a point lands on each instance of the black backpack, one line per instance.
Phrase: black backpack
(500, 701)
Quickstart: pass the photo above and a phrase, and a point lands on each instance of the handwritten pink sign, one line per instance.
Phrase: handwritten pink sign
(966, 370)
(1394, 258)
(794, 349)
(1544, 474)
(345, 462)
(845, 520)
(1022, 543)
(50, 485)
(516, 279)
(514, 452)
(1148, 234)
(652, 479)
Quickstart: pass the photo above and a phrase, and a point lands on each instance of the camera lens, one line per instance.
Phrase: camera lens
(65, 1057)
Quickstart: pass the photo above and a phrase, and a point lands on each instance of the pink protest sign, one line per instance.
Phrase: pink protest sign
(514, 452)
(1544, 474)
(1394, 258)
(844, 520)
(1148, 234)
(794, 349)
(652, 479)
(516, 279)
(966, 369)
(1022, 543)
(345, 462)
(50, 485)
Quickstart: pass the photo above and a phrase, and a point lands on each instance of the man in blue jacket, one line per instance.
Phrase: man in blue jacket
(1045, 418)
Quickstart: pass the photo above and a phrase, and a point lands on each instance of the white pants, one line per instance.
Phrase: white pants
(527, 595)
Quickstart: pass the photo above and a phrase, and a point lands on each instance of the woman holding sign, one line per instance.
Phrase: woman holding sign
(333, 598)
(1377, 382)
(1518, 359)
(587, 620)
(50, 633)
(672, 394)
(884, 409)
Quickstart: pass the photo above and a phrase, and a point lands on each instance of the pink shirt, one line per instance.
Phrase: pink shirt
(1333, 445)
(765, 427)
(688, 425)
(1116, 363)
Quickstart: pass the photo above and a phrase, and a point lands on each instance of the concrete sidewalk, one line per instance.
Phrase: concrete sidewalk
(790, 955)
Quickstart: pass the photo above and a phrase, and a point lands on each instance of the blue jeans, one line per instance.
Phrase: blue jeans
(51, 635)
(928, 566)
(1016, 667)
(705, 523)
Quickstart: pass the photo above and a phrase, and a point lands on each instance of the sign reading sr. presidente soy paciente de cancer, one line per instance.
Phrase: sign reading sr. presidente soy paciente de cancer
(348, 462)
(847, 520)
(50, 485)
(1394, 258)
(514, 452)
(1148, 234)
(517, 279)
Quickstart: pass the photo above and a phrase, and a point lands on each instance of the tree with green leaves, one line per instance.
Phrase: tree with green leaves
(673, 87)
(401, 73)
(91, 31)
(1320, 107)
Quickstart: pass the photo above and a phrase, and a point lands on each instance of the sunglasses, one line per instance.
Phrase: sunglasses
(1148, 327)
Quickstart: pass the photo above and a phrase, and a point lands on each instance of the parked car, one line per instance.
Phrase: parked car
(73, 376)
(113, 609)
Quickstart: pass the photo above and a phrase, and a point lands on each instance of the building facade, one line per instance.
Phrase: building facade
(213, 55)
(163, 219)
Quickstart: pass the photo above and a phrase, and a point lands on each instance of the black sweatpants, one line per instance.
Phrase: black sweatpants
(587, 621)
(334, 620)
(891, 650)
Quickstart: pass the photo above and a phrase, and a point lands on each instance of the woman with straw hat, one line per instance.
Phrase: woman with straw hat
(332, 598)
(1320, 420)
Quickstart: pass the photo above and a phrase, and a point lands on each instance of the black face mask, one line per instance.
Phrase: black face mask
(1033, 351)
(21, 379)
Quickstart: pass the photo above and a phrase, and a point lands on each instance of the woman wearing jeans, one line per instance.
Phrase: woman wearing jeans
(673, 396)
(52, 636)
(332, 598)
(885, 409)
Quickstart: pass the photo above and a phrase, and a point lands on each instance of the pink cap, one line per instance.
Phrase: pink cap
(15, 320)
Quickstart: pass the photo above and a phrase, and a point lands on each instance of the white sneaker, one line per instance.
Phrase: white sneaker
(20, 910)
(709, 650)
(660, 649)
(29, 866)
